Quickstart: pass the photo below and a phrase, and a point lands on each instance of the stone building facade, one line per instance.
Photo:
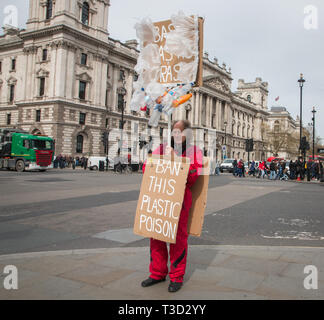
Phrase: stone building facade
(283, 133)
(63, 76)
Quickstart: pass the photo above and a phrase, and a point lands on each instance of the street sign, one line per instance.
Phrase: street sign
(224, 148)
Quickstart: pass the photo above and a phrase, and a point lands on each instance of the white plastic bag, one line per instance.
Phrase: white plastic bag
(183, 40)
(145, 31)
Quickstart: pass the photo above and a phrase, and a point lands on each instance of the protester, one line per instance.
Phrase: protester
(181, 144)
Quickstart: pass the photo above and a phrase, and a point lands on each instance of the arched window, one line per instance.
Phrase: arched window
(49, 9)
(85, 13)
(249, 98)
(79, 144)
(276, 126)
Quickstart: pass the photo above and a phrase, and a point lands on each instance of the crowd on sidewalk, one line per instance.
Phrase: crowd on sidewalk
(62, 161)
(277, 169)
(280, 169)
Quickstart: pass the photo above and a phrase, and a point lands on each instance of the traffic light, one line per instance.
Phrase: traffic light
(251, 145)
(248, 145)
(104, 138)
(304, 144)
(121, 124)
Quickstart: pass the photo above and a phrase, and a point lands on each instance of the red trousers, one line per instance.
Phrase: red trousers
(178, 251)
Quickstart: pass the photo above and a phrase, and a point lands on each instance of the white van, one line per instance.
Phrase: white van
(93, 162)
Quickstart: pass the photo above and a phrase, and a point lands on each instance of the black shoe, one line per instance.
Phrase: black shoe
(174, 286)
(150, 282)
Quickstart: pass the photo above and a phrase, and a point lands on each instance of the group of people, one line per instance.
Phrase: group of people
(62, 161)
(280, 169)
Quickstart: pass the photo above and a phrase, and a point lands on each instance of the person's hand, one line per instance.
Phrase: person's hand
(169, 151)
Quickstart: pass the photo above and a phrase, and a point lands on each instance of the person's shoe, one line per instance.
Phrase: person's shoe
(174, 286)
(150, 282)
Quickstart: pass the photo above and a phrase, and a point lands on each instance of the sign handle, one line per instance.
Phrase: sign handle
(169, 130)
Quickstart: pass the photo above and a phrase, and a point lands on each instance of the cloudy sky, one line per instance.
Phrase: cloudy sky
(275, 40)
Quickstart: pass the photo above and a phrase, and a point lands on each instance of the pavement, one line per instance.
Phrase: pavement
(214, 272)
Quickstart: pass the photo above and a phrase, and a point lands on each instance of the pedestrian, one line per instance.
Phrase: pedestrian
(235, 167)
(291, 170)
(272, 170)
(85, 165)
(73, 163)
(252, 168)
(217, 168)
(262, 168)
(309, 169)
(181, 144)
(243, 169)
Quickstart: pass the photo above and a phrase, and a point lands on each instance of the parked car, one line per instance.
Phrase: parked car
(227, 165)
(93, 162)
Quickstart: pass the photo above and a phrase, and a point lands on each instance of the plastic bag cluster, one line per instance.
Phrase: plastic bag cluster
(182, 42)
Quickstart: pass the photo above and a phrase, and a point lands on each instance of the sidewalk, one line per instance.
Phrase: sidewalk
(213, 272)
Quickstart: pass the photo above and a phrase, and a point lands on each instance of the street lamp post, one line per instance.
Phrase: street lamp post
(225, 124)
(301, 81)
(313, 111)
(122, 105)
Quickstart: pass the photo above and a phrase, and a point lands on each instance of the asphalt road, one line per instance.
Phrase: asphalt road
(66, 209)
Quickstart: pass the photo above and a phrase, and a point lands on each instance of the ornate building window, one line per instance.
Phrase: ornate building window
(82, 118)
(249, 98)
(79, 144)
(121, 75)
(85, 13)
(13, 64)
(49, 9)
(44, 56)
(84, 58)
(41, 86)
(276, 126)
(8, 118)
(107, 98)
(11, 93)
(38, 116)
(82, 90)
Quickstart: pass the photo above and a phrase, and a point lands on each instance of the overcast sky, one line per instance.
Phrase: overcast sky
(256, 38)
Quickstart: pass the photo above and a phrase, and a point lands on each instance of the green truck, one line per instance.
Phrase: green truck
(22, 151)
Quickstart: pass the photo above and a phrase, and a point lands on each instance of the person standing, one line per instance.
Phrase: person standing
(309, 169)
(321, 170)
(252, 168)
(272, 170)
(180, 145)
(235, 167)
(262, 169)
(217, 170)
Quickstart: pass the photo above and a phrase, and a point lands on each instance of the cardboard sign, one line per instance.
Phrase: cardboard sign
(161, 196)
(199, 201)
(168, 72)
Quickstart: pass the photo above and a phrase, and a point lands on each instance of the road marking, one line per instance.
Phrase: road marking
(120, 235)
(294, 235)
